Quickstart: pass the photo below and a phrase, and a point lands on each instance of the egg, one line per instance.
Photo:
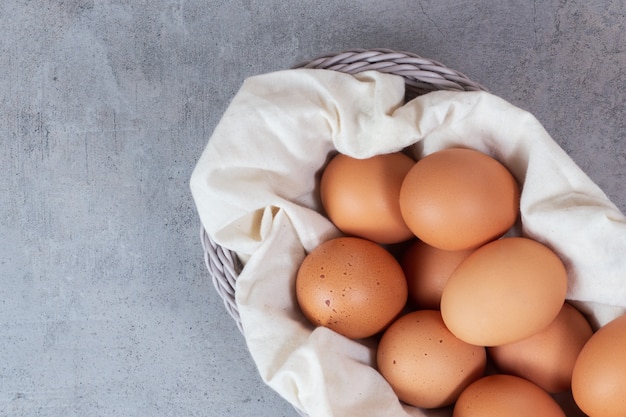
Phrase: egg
(427, 270)
(505, 395)
(352, 286)
(547, 358)
(599, 377)
(457, 199)
(361, 196)
(505, 291)
(425, 364)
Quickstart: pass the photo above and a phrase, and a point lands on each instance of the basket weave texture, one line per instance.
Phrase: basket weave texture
(421, 76)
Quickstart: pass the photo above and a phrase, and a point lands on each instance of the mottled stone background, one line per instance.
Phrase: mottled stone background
(105, 105)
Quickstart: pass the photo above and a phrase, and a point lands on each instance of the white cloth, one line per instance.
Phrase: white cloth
(255, 191)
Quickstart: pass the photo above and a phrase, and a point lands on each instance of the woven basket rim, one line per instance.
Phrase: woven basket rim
(421, 74)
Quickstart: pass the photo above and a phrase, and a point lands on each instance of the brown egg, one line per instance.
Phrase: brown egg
(505, 395)
(505, 291)
(427, 270)
(547, 358)
(361, 196)
(458, 199)
(599, 378)
(424, 363)
(352, 286)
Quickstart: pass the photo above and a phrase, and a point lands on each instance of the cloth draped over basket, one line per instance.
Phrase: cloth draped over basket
(255, 187)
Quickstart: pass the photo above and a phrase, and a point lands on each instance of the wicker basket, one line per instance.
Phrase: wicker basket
(421, 76)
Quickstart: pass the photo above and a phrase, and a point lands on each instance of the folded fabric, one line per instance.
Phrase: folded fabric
(256, 190)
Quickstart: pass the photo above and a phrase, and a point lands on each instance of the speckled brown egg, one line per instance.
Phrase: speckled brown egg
(505, 291)
(425, 364)
(457, 199)
(361, 196)
(505, 395)
(352, 286)
(547, 358)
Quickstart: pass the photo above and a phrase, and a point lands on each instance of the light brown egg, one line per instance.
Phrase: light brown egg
(458, 199)
(505, 396)
(599, 378)
(361, 196)
(424, 363)
(547, 358)
(352, 286)
(427, 270)
(505, 291)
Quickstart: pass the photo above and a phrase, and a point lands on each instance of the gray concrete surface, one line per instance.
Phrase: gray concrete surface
(105, 105)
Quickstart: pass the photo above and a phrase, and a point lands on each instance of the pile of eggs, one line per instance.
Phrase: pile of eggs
(427, 269)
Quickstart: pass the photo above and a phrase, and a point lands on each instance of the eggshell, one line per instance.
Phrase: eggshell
(457, 199)
(547, 358)
(427, 270)
(505, 395)
(599, 377)
(505, 291)
(361, 196)
(425, 364)
(352, 286)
